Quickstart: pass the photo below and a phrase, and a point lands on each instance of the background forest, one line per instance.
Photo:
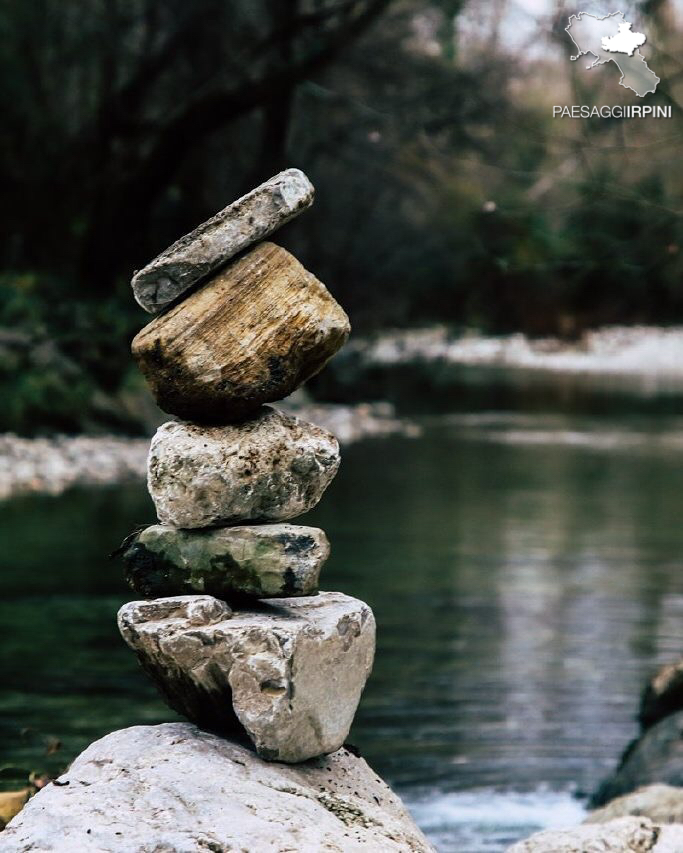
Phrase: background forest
(446, 192)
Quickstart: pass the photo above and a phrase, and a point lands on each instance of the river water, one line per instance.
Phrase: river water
(525, 573)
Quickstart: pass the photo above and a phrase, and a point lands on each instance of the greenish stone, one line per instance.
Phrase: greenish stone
(262, 561)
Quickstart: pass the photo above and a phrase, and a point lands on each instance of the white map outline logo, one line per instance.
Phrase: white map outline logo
(611, 40)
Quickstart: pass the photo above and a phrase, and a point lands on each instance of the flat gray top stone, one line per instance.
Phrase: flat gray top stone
(251, 218)
(177, 789)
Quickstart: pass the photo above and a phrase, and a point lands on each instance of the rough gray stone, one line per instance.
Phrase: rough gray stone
(656, 757)
(272, 467)
(192, 610)
(176, 789)
(661, 803)
(241, 224)
(289, 674)
(265, 561)
(623, 835)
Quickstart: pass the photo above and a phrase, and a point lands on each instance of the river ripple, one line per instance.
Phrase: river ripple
(525, 574)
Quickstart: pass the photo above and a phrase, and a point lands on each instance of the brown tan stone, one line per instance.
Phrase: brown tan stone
(11, 803)
(251, 335)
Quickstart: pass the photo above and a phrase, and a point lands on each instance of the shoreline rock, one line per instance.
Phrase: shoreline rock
(177, 788)
(621, 835)
(52, 465)
(662, 696)
(655, 757)
(354, 423)
(660, 803)
(610, 351)
(11, 803)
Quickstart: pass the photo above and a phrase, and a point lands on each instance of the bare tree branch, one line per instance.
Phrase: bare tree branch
(215, 109)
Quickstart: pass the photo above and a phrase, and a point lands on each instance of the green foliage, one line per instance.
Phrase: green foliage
(622, 258)
(60, 360)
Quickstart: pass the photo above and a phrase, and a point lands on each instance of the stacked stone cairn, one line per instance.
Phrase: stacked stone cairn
(232, 628)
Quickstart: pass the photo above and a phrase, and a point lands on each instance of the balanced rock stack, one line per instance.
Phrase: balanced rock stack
(232, 628)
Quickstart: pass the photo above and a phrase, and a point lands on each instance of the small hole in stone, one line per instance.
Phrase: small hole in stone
(272, 688)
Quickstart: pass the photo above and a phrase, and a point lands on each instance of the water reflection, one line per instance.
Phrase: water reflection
(523, 589)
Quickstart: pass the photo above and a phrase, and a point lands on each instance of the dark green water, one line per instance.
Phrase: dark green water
(525, 572)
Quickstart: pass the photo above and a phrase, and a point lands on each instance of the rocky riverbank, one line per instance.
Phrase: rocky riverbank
(640, 806)
(613, 350)
(52, 465)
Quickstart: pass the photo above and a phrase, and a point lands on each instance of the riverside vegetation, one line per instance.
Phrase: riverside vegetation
(273, 664)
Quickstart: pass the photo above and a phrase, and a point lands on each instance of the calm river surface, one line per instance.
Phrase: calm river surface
(525, 571)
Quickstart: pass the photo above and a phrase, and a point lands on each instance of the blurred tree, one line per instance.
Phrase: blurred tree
(446, 192)
(106, 100)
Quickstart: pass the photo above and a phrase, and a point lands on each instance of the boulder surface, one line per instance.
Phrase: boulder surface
(174, 788)
(233, 229)
(262, 561)
(288, 674)
(251, 335)
(623, 835)
(272, 467)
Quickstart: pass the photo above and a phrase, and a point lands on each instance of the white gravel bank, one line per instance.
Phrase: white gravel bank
(51, 465)
(616, 350)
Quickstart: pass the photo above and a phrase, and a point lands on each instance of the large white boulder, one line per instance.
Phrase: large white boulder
(175, 789)
(289, 673)
(271, 467)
